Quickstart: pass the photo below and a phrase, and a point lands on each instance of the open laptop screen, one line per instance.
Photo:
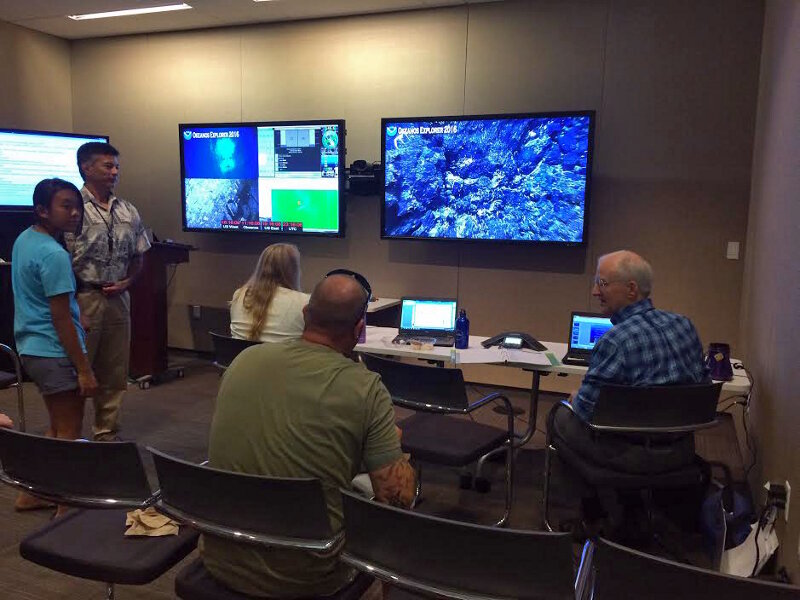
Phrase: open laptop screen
(428, 315)
(586, 330)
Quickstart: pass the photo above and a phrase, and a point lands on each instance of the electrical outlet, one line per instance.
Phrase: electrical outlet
(788, 497)
(777, 495)
(196, 311)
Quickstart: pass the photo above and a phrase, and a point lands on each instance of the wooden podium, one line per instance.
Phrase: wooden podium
(149, 312)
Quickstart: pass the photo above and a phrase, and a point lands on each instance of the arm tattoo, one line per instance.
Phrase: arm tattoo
(395, 483)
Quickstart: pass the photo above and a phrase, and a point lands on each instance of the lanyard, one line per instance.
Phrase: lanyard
(109, 226)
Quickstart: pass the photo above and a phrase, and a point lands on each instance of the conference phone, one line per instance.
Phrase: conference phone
(515, 340)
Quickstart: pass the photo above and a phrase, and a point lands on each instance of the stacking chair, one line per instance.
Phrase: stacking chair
(435, 557)
(433, 434)
(107, 478)
(226, 348)
(647, 412)
(14, 380)
(273, 512)
(619, 573)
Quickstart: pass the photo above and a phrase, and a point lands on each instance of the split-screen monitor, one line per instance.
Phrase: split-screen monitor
(279, 177)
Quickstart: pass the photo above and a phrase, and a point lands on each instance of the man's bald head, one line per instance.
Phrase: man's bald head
(621, 279)
(336, 306)
(630, 266)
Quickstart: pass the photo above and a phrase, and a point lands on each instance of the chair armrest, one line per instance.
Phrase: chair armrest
(490, 398)
(487, 399)
(322, 547)
(652, 430)
(568, 405)
(15, 359)
(584, 582)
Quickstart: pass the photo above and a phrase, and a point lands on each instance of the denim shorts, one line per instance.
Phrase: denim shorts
(51, 375)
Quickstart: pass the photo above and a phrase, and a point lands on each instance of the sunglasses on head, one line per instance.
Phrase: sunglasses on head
(362, 281)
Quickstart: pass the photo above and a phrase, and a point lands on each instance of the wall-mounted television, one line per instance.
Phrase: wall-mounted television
(276, 177)
(27, 157)
(502, 178)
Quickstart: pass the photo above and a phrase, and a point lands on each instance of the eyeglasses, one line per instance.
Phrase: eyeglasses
(362, 281)
(603, 283)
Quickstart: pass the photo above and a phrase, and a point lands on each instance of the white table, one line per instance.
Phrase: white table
(381, 304)
(379, 341)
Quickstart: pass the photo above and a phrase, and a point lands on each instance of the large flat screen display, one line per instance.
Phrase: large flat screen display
(279, 177)
(509, 178)
(27, 157)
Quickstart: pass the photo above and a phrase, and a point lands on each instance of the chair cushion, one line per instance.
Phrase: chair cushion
(598, 475)
(448, 440)
(7, 379)
(90, 544)
(194, 582)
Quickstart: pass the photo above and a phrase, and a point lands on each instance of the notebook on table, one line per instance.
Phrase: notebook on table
(584, 331)
(432, 320)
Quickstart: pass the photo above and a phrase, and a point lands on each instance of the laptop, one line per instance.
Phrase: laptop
(584, 331)
(431, 320)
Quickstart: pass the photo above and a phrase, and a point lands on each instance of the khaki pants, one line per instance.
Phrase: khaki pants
(108, 344)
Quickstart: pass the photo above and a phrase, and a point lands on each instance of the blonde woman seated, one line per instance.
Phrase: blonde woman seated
(269, 307)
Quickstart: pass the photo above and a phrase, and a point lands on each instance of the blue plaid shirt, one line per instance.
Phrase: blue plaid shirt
(645, 347)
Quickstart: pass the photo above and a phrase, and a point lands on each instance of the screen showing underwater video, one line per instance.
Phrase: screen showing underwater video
(506, 178)
(280, 177)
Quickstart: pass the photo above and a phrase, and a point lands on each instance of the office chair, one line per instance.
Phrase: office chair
(273, 512)
(14, 380)
(441, 558)
(432, 434)
(103, 479)
(226, 348)
(649, 412)
(620, 573)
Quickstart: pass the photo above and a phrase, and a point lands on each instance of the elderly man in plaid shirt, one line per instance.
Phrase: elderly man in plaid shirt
(646, 346)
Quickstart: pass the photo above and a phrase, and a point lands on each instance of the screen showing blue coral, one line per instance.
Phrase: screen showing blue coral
(514, 178)
(281, 177)
(27, 157)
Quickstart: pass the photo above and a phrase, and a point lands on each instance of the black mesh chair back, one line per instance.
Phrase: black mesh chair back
(672, 408)
(77, 473)
(226, 348)
(452, 559)
(9, 379)
(265, 510)
(620, 573)
(415, 386)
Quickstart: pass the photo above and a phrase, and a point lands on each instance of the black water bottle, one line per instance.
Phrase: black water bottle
(462, 330)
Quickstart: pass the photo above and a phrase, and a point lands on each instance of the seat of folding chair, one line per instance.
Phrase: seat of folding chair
(65, 545)
(448, 440)
(194, 582)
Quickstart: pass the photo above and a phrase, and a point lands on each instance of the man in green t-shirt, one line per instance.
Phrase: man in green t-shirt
(304, 409)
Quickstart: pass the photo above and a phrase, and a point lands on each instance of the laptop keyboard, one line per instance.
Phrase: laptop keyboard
(439, 340)
(573, 359)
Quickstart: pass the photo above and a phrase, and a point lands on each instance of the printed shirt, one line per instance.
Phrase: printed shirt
(109, 239)
(645, 347)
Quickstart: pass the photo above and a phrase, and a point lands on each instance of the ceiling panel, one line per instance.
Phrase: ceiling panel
(50, 17)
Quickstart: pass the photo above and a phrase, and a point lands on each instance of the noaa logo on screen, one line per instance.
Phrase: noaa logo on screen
(330, 139)
(391, 130)
(187, 135)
